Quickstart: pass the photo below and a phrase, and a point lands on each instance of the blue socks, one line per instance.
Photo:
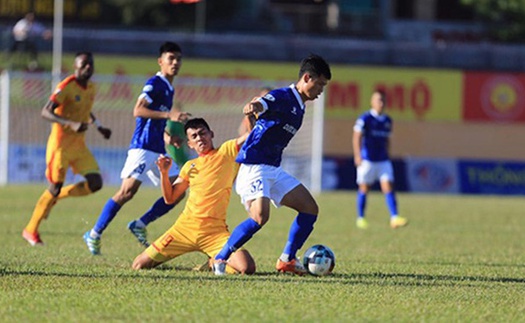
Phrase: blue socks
(391, 203)
(158, 209)
(300, 230)
(106, 216)
(240, 235)
(361, 204)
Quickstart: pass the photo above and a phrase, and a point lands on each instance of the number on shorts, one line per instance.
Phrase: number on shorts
(256, 186)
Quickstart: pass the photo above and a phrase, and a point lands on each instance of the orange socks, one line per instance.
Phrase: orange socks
(78, 189)
(41, 211)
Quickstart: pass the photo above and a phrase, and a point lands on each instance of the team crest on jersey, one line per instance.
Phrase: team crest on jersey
(147, 88)
(269, 97)
(193, 171)
(77, 98)
(294, 110)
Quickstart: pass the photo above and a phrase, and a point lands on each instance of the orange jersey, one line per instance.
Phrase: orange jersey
(74, 103)
(210, 180)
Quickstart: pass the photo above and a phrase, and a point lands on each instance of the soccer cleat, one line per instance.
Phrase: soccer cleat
(398, 222)
(293, 266)
(219, 267)
(92, 244)
(361, 223)
(32, 238)
(139, 233)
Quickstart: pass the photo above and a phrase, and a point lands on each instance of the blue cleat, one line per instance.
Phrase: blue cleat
(139, 232)
(92, 244)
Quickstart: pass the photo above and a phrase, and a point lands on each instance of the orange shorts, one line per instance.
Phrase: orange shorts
(59, 159)
(179, 240)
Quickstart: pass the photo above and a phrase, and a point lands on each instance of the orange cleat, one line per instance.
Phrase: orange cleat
(293, 266)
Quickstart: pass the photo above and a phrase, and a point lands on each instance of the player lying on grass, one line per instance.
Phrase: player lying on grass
(202, 225)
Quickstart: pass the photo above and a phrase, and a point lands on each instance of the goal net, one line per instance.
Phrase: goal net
(23, 132)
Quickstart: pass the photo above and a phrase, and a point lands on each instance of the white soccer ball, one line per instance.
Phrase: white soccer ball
(319, 260)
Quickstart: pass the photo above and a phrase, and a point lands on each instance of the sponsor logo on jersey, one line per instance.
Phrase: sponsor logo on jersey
(289, 128)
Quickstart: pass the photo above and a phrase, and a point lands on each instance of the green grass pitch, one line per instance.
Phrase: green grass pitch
(461, 259)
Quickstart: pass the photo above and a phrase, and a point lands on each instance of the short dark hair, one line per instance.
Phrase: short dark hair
(196, 123)
(316, 66)
(85, 52)
(169, 47)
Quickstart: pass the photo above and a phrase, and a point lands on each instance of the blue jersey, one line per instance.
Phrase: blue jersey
(149, 133)
(376, 131)
(275, 127)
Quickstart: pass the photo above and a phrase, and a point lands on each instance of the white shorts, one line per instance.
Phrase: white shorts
(254, 181)
(140, 164)
(370, 172)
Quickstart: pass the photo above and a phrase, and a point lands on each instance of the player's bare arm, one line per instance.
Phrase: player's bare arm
(253, 109)
(48, 113)
(106, 132)
(141, 110)
(356, 143)
(170, 192)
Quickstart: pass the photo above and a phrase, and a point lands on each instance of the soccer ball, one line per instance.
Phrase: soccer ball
(319, 260)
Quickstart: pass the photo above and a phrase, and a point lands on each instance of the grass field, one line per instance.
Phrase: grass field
(461, 259)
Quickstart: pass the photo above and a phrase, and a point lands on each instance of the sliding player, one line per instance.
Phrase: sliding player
(202, 224)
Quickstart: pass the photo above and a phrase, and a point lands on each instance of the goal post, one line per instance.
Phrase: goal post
(23, 132)
(4, 126)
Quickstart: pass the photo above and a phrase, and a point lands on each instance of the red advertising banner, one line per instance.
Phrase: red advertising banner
(494, 97)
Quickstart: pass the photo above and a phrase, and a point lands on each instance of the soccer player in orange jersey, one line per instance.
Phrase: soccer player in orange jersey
(202, 224)
(69, 109)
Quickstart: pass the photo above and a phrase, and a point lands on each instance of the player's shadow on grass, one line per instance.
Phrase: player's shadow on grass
(377, 278)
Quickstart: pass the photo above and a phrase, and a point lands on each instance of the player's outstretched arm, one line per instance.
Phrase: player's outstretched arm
(170, 192)
(48, 113)
(106, 132)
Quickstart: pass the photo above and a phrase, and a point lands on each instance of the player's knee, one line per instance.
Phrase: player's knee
(311, 208)
(94, 182)
(95, 185)
(247, 269)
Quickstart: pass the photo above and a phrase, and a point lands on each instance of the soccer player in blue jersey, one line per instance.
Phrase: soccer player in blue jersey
(153, 108)
(371, 144)
(261, 179)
